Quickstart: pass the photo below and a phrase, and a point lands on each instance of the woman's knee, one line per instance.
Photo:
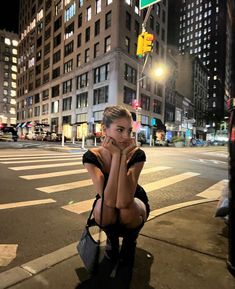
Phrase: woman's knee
(109, 215)
(133, 215)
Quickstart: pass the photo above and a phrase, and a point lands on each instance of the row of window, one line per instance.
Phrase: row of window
(100, 95)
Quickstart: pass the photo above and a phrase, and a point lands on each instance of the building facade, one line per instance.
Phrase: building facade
(77, 57)
(201, 31)
(8, 77)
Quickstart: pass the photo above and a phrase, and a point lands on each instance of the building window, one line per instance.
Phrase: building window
(82, 80)
(57, 23)
(127, 44)
(37, 111)
(70, 12)
(45, 108)
(100, 95)
(82, 100)
(157, 106)
(101, 73)
(78, 60)
(87, 35)
(87, 55)
(98, 6)
(79, 40)
(145, 102)
(56, 57)
(88, 13)
(97, 27)
(55, 91)
(68, 48)
(69, 30)
(67, 103)
(55, 106)
(107, 44)
(129, 95)
(45, 94)
(96, 49)
(130, 74)
(68, 66)
(67, 86)
(108, 17)
(128, 21)
(57, 40)
(137, 28)
(80, 20)
(56, 73)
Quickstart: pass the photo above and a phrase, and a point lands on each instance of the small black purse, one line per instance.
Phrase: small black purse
(88, 248)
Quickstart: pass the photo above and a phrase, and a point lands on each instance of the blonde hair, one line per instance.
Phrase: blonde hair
(111, 113)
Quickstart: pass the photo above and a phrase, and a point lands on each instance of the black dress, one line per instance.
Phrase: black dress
(138, 156)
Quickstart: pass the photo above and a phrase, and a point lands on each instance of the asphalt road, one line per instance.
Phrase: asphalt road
(170, 175)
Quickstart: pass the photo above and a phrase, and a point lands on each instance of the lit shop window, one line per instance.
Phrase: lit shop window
(14, 51)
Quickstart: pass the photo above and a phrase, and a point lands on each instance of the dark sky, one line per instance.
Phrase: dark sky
(9, 15)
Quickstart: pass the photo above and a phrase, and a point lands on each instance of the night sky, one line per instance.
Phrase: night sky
(9, 15)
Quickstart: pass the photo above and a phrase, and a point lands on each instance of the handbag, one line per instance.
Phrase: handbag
(88, 248)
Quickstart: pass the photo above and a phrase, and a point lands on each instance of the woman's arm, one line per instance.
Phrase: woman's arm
(127, 178)
(110, 192)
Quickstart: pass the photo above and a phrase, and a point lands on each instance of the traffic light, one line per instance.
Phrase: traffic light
(140, 45)
(148, 42)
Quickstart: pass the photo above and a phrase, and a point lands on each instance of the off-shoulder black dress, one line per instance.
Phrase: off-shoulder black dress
(138, 156)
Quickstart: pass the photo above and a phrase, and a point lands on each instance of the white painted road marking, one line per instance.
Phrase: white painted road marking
(39, 157)
(35, 167)
(54, 174)
(40, 161)
(26, 204)
(214, 191)
(65, 187)
(168, 181)
(7, 253)
(155, 169)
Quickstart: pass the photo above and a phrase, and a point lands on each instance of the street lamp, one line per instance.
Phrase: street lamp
(159, 72)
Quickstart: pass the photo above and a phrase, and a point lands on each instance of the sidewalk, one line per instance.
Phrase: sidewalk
(181, 249)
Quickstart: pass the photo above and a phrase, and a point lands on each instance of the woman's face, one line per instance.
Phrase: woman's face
(121, 131)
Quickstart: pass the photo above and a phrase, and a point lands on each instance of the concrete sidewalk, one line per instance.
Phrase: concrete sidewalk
(181, 249)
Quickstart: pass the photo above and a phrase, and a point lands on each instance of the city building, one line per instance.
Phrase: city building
(8, 77)
(77, 57)
(198, 28)
(186, 95)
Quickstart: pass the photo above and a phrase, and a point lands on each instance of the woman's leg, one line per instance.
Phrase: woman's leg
(134, 215)
(132, 219)
(109, 216)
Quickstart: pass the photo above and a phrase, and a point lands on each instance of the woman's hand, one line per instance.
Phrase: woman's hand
(131, 146)
(110, 145)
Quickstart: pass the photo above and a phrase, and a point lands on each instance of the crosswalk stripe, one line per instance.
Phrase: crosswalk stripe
(81, 171)
(84, 206)
(65, 187)
(36, 155)
(79, 207)
(168, 181)
(35, 167)
(155, 169)
(75, 185)
(54, 174)
(214, 191)
(40, 161)
(26, 204)
(41, 157)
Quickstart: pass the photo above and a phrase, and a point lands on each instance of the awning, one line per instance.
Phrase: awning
(29, 124)
(23, 124)
(18, 125)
